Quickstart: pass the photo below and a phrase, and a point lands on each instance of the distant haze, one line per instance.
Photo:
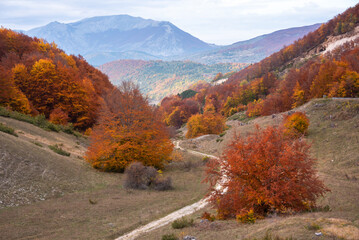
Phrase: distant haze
(213, 21)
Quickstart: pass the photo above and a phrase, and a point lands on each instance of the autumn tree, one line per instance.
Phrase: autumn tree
(127, 131)
(296, 124)
(262, 173)
(207, 123)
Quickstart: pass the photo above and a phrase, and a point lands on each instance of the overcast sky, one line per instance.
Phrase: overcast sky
(213, 21)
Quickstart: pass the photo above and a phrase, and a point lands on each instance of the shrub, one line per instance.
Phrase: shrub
(182, 223)
(265, 172)
(296, 124)
(59, 150)
(169, 237)
(162, 184)
(7, 130)
(246, 217)
(139, 176)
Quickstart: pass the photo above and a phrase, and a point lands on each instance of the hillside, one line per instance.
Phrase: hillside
(107, 38)
(334, 135)
(255, 49)
(44, 195)
(160, 78)
(322, 63)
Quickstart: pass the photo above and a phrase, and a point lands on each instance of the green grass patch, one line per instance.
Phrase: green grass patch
(57, 149)
(37, 144)
(7, 130)
(169, 237)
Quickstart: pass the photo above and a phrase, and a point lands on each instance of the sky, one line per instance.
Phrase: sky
(214, 21)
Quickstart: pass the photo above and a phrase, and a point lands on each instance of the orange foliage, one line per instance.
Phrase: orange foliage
(57, 116)
(296, 124)
(42, 78)
(264, 172)
(128, 131)
(208, 123)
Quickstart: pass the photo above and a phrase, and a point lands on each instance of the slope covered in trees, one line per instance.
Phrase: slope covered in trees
(161, 78)
(38, 78)
(290, 77)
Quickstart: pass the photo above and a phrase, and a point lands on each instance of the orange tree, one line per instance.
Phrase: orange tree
(127, 131)
(207, 123)
(296, 124)
(264, 172)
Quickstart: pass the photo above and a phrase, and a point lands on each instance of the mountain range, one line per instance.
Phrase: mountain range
(107, 38)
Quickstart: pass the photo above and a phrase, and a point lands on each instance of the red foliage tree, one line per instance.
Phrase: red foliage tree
(261, 173)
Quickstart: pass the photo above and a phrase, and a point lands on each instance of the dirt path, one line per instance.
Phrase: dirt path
(173, 216)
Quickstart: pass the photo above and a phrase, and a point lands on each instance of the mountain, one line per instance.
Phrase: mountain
(161, 78)
(107, 38)
(255, 49)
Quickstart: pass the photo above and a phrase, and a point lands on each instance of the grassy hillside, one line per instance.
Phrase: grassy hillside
(44, 195)
(161, 78)
(334, 136)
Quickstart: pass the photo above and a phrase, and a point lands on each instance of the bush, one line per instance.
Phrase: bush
(139, 176)
(169, 237)
(182, 223)
(265, 172)
(296, 124)
(7, 130)
(162, 184)
(59, 150)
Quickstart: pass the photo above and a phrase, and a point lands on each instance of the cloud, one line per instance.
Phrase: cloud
(215, 21)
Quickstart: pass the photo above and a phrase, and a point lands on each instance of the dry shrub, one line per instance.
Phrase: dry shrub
(139, 176)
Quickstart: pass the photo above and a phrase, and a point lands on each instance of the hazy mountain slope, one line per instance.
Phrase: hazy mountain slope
(103, 39)
(255, 49)
(161, 78)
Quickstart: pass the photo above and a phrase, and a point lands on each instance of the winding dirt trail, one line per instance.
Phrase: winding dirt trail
(173, 216)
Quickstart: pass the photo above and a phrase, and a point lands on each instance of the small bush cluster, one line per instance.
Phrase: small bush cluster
(57, 149)
(182, 223)
(139, 176)
(7, 130)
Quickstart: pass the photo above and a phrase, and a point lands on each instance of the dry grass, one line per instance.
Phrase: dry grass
(334, 134)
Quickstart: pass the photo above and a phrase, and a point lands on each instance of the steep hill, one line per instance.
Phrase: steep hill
(107, 38)
(161, 78)
(255, 49)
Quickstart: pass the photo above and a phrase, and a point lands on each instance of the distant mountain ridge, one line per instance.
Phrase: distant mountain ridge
(255, 49)
(107, 38)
